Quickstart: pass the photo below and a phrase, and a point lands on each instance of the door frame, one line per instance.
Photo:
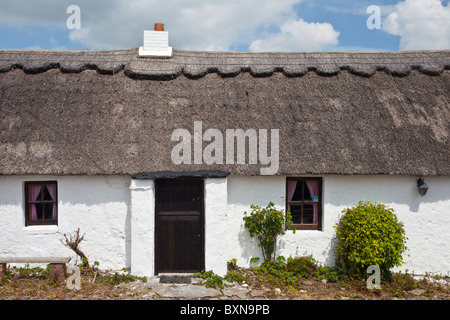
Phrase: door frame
(202, 222)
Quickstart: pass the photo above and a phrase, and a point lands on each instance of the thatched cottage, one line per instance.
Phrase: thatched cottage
(156, 155)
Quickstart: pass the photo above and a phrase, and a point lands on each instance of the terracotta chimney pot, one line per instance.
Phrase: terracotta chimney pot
(159, 26)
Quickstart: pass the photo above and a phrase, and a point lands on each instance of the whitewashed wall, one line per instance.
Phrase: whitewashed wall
(98, 205)
(117, 216)
(426, 219)
(142, 227)
(216, 227)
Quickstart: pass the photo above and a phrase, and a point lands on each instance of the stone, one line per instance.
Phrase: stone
(152, 282)
(416, 292)
(257, 293)
(239, 292)
(140, 287)
(175, 279)
(441, 282)
(186, 291)
(148, 296)
(123, 285)
(277, 291)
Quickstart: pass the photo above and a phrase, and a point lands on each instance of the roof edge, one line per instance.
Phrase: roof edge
(197, 64)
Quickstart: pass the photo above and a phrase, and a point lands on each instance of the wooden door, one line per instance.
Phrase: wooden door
(179, 226)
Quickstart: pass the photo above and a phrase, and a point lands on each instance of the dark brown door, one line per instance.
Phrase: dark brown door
(179, 226)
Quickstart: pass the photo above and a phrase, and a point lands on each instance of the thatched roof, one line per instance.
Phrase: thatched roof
(112, 112)
(195, 64)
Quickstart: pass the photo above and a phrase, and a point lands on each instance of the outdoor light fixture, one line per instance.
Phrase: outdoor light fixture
(422, 186)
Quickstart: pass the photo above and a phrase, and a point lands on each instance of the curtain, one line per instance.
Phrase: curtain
(292, 184)
(34, 191)
(313, 187)
(52, 190)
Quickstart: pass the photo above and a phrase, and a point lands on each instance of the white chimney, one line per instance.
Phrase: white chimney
(156, 43)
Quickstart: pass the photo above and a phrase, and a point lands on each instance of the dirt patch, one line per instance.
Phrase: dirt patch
(108, 286)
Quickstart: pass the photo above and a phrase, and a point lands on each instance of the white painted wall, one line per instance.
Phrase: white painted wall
(117, 215)
(426, 219)
(142, 227)
(216, 227)
(98, 205)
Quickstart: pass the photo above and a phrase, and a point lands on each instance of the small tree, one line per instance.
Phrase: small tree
(266, 224)
(369, 234)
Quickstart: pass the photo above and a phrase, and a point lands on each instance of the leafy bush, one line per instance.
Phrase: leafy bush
(307, 266)
(332, 274)
(302, 266)
(369, 234)
(266, 224)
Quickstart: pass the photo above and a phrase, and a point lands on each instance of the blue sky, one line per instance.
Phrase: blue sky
(231, 25)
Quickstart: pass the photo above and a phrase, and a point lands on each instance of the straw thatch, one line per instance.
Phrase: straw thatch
(112, 112)
(198, 64)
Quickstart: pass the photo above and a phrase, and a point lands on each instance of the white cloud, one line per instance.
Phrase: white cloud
(298, 35)
(193, 24)
(421, 24)
(35, 47)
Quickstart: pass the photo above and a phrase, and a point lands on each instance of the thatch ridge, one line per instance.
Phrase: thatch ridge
(195, 64)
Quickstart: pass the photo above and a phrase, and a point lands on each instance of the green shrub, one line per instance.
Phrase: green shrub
(369, 234)
(302, 266)
(332, 274)
(266, 224)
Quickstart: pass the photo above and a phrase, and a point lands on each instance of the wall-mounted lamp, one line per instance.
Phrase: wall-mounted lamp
(422, 186)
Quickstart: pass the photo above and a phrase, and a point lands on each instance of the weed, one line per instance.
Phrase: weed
(212, 280)
(118, 278)
(235, 276)
(231, 265)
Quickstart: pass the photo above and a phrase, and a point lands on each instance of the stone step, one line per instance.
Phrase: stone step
(175, 278)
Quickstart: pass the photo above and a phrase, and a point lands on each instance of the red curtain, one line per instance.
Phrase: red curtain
(313, 187)
(52, 190)
(33, 191)
(292, 184)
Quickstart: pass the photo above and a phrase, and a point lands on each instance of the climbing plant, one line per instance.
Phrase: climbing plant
(266, 224)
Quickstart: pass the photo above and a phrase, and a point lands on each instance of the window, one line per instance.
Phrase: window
(304, 201)
(41, 203)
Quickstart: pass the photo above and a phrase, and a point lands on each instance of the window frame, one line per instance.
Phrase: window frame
(40, 222)
(297, 226)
